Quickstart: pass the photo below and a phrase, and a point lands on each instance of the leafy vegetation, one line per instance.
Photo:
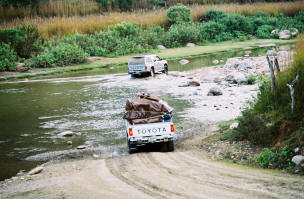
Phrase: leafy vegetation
(8, 58)
(178, 14)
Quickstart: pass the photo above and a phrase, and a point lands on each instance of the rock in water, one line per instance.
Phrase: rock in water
(66, 134)
(215, 91)
(215, 61)
(36, 170)
(161, 47)
(298, 159)
(194, 83)
(81, 147)
(184, 61)
(190, 45)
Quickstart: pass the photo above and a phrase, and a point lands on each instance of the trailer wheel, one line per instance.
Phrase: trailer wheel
(170, 146)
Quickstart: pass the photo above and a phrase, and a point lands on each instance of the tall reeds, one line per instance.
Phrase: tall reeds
(90, 23)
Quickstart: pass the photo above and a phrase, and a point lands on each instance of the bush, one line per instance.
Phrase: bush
(264, 31)
(60, 55)
(213, 15)
(280, 159)
(254, 128)
(236, 22)
(209, 30)
(23, 39)
(180, 34)
(178, 14)
(251, 79)
(125, 29)
(8, 58)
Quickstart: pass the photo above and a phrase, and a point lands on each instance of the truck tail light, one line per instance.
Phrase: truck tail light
(172, 128)
(130, 132)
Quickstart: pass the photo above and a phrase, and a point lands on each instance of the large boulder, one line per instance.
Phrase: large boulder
(298, 159)
(161, 47)
(285, 35)
(240, 78)
(271, 53)
(215, 91)
(243, 65)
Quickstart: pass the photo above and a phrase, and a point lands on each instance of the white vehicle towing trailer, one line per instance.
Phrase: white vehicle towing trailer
(142, 134)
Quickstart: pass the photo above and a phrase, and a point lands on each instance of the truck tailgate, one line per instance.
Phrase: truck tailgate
(151, 129)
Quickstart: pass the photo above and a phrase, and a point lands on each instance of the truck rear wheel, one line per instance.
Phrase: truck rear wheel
(170, 146)
(132, 149)
(152, 72)
(166, 71)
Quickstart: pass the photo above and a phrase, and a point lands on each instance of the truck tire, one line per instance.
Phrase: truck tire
(166, 69)
(152, 72)
(132, 149)
(170, 146)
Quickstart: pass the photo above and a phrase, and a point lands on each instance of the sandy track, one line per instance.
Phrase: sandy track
(180, 174)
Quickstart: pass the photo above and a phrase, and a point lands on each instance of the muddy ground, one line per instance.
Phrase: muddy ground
(186, 173)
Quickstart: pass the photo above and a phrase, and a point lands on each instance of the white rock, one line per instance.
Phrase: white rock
(190, 45)
(234, 125)
(66, 134)
(95, 156)
(285, 34)
(240, 78)
(271, 53)
(296, 150)
(36, 170)
(215, 61)
(161, 47)
(294, 32)
(184, 61)
(81, 147)
(69, 142)
(298, 159)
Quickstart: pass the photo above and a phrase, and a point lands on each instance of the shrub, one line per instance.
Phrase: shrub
(264, 31)
(60, 55)
(279, 159)
(8, 58)
(180, 34)
(209, 30)
(178, 14)
(254, 128)
(23, 39)
(236, 22)
(213, 15)
(125, 29)
(251, 79)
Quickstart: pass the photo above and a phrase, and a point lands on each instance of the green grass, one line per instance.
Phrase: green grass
(169, 54)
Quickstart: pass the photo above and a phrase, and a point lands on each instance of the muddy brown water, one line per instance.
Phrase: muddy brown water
(33, 113)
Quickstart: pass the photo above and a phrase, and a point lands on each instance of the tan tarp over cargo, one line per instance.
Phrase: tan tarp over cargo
(146, 109)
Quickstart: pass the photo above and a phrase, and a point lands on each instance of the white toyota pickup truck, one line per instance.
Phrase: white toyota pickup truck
(142, 134)
(147, 64)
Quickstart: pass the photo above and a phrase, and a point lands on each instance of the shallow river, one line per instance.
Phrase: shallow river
(33, 113)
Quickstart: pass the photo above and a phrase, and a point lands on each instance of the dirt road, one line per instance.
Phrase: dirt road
(185, 173)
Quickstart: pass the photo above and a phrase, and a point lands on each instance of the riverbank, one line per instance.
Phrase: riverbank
(169, 54)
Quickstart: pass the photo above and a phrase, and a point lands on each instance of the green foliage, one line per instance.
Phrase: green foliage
(23, 39)
(251, 79)
(254, 128)
(213, 15)
(236, 22)
(209, 30)
(279, 159)
(126, 29)
(180, 34)
(264, 31)
(8, 58)
(59, 55)
(178, 14)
